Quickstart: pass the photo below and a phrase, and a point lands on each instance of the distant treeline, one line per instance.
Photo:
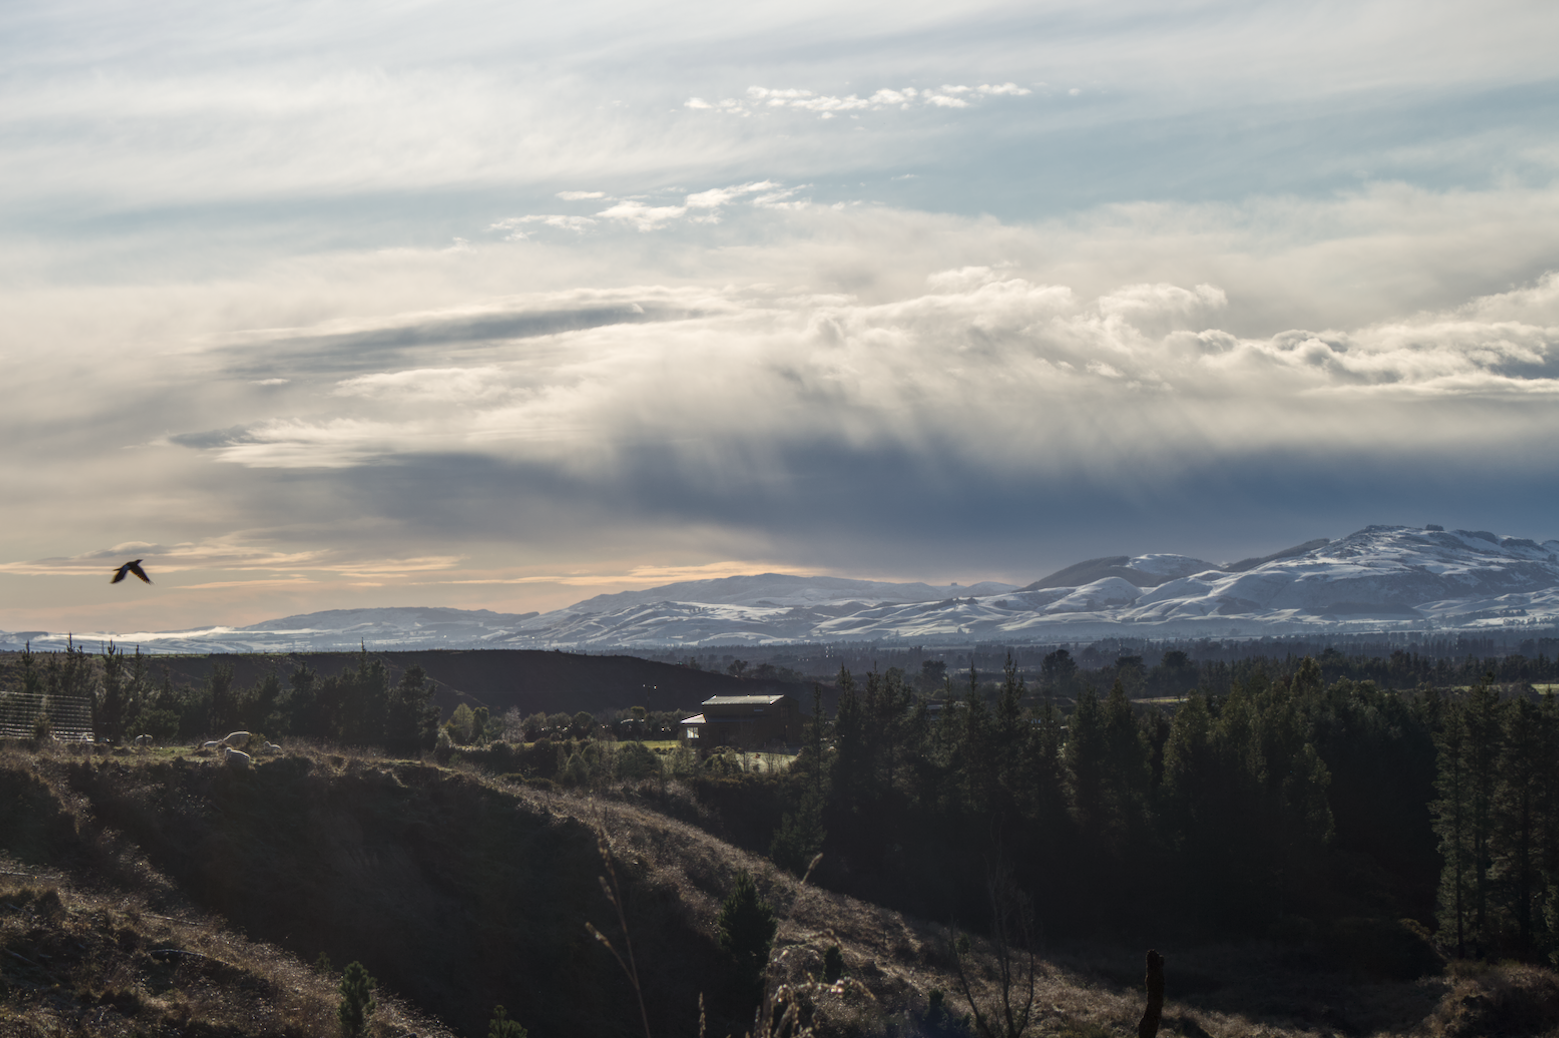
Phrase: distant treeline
(356, 707)
(1177, 671)
(1399, 660)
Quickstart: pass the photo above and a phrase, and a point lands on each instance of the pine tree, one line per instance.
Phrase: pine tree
(850, 771)
(1482, 765)
(357, 1000)
(1189, 769)
(111, 708)
(1085, 757)
(301, 707)
(1013, 733)
(799, 837)
(1517, 839)
(223, 707)
(502, 1027)
(746, 929)
(1548, 833)
(411, 719)
(817, 738)
(1127, 773)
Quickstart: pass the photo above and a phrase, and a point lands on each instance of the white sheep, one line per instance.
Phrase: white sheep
(144, 741)
(235, 740)
(235, 758)
(210, 746)
(271, 747)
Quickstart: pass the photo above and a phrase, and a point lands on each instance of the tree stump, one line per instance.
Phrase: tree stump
(1148, 1028)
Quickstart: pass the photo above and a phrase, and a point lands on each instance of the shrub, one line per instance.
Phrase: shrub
(635, 762)
(576, 772)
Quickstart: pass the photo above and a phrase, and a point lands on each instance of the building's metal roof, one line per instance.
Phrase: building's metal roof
(743, 700)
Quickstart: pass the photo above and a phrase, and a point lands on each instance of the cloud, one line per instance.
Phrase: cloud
(699, 206)
(641, 216)
(824, 389)
(759, 98)
(167, 558)
(643, 576)
(250, 585)
(467, 385)
(987, 370)
(577, 224)
(580, 196)
(716, 197)
(225, 555)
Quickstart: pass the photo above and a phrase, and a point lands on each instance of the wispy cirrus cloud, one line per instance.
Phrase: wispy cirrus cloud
(758, 98)
(516, 225)
(642, 576)
(227, 555)
(705, 206)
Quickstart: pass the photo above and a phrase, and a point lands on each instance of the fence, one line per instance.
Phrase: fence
(69, 717)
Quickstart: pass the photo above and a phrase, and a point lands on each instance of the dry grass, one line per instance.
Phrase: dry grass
(1505, 999)
(89, 963)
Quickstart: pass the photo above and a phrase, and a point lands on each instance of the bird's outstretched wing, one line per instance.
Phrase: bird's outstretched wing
(130, 567)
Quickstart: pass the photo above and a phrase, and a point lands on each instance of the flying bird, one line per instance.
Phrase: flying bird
(130, 567)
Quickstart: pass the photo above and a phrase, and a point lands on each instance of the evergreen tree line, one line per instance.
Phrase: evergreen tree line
(1401, 669)
(1496, 813)
(1275, 809)
(357, 707)
(1177, 673)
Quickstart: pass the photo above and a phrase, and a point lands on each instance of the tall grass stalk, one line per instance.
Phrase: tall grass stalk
(779, 1011)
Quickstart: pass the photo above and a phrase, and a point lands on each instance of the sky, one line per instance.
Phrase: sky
(338, 304)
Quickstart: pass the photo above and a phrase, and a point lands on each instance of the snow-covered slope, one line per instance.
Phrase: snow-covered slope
(784, 589)
(1380, 578)
(333, 630)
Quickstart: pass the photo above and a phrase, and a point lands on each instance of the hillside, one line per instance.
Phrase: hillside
(166, 894)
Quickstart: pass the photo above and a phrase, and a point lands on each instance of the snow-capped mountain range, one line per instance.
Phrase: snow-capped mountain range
(1382, 578)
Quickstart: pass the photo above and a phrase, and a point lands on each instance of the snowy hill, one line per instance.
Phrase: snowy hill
(1381, 578)
(784, 589)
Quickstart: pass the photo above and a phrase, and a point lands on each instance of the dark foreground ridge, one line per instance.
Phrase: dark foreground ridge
(165, 893)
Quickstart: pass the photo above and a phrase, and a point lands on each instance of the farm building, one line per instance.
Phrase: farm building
(746, 721)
